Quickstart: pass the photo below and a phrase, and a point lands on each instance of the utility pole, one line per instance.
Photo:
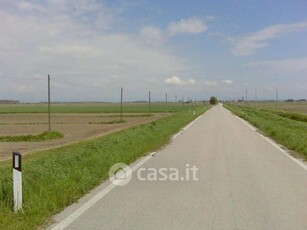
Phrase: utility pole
(276, 96)
(246, 95)
(149, 102)
(175, 98)
(256, 97)
(121, 104)
(49, 120)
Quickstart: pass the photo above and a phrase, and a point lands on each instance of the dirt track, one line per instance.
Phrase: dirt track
(75, 128)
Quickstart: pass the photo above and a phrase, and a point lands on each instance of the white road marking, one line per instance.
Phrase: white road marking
(300, 163)
(68, 220)
(177, 134)
(186, 127)
(247, 124)
(189, 125)
(64, 223)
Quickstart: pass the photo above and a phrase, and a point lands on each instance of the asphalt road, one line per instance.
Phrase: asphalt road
(244, 182)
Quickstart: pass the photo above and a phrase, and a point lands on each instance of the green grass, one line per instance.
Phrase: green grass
(56, 178)
(291, 115)
(286, 131)
(45, 136)
(92, 108)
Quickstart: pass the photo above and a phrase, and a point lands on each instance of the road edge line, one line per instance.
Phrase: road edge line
(77, 213)
(186, 127)
(272, 142)
(73, 216)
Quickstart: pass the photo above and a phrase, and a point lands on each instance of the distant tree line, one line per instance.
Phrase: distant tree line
(9, 102)
(292, 100)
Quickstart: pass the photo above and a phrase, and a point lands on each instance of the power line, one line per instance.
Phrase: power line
(54, 81)
(76, 85)
(22, 78)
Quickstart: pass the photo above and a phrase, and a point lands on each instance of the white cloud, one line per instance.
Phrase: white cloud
(28, 6)
(228, 81)
(78, 50)
(152, 34)
(249, 44)
(174, 80)
(210, 83)
(71, 41)
(286, 66)
(187, 26)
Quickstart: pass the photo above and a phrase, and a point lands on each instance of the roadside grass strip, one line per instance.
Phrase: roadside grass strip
(284, 130)
(290, 115)
(45, 136)
(58, 177)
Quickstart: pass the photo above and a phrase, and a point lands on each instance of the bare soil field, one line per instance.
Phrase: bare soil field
(75, 127)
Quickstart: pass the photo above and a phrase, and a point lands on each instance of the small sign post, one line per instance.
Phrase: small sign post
(17, 181)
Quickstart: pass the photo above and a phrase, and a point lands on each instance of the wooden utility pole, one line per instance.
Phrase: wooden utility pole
(121, 104)
(49, 120)
(276, 96)
(256, 98)
(149, 102)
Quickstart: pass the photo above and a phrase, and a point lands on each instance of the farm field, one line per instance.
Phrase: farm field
(297, 107)
(91, 107)
(58, 177)
(77, 121)
(75, 127)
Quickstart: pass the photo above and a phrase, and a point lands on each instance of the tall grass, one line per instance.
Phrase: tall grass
(291, 115)
(56, 178)
(286, 131)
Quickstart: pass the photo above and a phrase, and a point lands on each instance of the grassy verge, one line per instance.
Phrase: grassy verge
(291, 115)
(286, 131)
(45, 136)
(56, 178)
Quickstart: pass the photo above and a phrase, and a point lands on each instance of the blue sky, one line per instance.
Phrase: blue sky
(194, 49)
